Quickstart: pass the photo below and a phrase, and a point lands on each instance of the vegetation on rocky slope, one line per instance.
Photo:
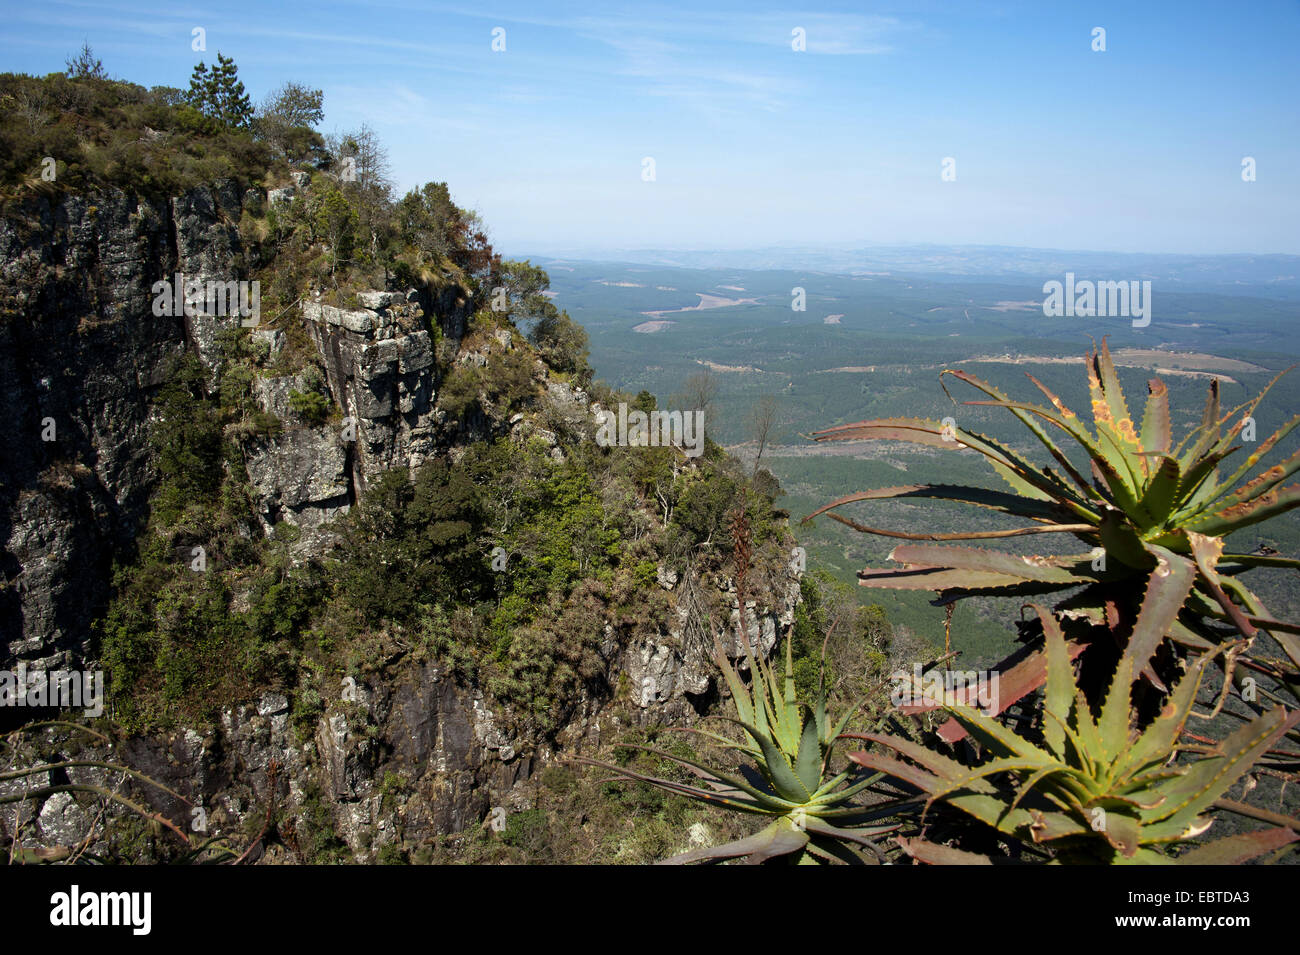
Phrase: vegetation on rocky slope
(511, 559)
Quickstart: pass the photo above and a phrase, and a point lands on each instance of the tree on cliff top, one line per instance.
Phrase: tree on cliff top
(286, 117)
(219, 93)
(85, 65)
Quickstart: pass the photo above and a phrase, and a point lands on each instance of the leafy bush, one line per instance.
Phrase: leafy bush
(107, 133)
(310, 406)
(460, 390)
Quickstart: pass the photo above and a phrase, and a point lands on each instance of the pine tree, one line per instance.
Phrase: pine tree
(219, 93)
(201, 94)
(85, 65)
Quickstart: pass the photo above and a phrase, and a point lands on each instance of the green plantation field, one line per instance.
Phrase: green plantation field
(873, 345)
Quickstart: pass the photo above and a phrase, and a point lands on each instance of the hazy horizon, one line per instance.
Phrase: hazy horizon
(560, 251)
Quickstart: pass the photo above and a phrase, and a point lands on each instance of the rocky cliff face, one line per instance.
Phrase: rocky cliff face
(81, 356)
(394, 761)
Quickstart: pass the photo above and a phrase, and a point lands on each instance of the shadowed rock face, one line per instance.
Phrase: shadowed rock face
(81, 355)
(440, 740)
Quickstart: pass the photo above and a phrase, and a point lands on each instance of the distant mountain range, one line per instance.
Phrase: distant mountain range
(1274, 275)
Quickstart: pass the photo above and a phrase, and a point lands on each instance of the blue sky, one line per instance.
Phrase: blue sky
(1135, 149)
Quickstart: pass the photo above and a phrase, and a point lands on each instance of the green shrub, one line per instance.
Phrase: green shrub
(311, 407)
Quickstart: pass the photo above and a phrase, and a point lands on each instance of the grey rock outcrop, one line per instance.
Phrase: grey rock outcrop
(379, 366)
(300, 475)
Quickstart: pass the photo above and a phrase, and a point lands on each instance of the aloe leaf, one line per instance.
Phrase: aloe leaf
(808, 761)
(984, 561)
(1059, 676)
(1161, 490)
(836, 853)
(1085, 727)
(793, 726)
(777, 839)
(1200, 483)
(1204, 437)
(917, 430)
(1167, 588)
(772, 801)
(768, 805)
(1033, 781)
(1261, 508)
(937, 579)
(1015, 505)
(855, 815)
(1113, 463)
(739, 694)
(932, 853)
(1239, 849)
(835, 734)
(1258, 454)
(1246, 409)
(860, 835)
(851, 791)
(1114, 722)
(1175, 829)
(937, 764)
(720, 740)
(778, 770)
(1037, 766)
(1123, 420)
(1123, 832)
(1108, 424)
(1060, 684)
(761, 674)
(1256, 560)
(1034, 427)
(1085, 753)
(1045, 827)
(912, 775)
(1015, 684)
(982, 803)
(1258, 485)
(1209, 778)
(1156, 431)
(992, 733)
(1155, 743)
(934, 434)
(1019, 484)
(820, 722)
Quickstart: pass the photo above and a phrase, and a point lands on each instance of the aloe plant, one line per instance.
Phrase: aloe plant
(787, 746)
(1145, 507)
(1099, 787)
